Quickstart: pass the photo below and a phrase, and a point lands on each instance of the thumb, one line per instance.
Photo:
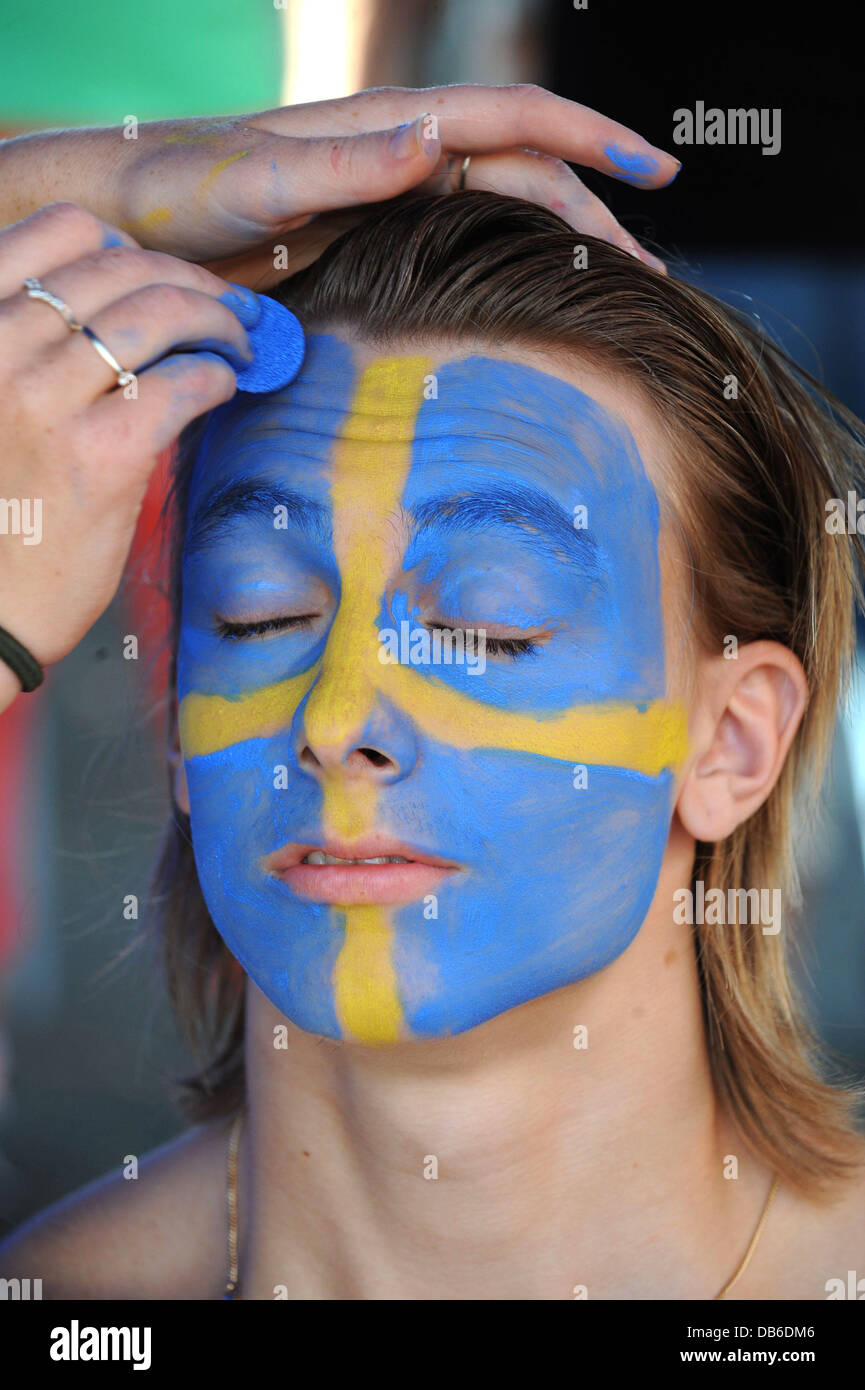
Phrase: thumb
(322, 174)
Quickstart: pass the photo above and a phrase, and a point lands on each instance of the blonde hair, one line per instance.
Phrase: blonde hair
(753, 476)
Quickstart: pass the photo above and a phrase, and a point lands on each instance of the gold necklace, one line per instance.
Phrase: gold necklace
(231, 1286)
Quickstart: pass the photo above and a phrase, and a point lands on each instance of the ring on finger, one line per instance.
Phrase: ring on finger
(124, 378)
(35, 290)
(464, 168)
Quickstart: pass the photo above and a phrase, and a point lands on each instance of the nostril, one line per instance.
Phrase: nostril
(307, 759)
(375, 757)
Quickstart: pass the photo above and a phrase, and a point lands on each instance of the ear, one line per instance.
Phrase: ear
(179, 786)
(743, 720)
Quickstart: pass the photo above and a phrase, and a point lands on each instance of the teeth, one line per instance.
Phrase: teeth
(317, 856)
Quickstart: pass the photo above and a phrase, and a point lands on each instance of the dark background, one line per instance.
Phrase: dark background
(641, 62)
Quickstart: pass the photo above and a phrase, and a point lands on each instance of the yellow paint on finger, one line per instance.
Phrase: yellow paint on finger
(366, 995)
(149, 221)
(213, 174)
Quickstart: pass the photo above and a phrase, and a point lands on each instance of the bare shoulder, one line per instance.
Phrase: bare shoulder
(816, 1249)
(159, 1235)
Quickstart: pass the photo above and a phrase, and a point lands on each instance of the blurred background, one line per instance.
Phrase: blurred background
(87, 1046)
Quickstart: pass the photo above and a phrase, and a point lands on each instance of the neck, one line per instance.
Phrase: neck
(506, 1162)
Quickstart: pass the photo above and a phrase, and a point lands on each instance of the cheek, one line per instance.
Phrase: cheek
(227, 798)
(562, 865)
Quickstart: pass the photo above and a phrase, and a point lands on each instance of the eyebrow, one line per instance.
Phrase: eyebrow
(537, 520)
(253, 497)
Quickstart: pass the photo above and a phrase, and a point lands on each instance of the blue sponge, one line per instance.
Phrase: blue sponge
(278, 343)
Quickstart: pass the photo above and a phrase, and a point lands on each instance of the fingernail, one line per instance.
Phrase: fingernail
(412, 137)
(654, 262)
(243, 303)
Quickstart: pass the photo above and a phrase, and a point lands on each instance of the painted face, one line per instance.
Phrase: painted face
(345, 537)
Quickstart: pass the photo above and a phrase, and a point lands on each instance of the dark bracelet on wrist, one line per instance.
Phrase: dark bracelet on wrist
(19, 660)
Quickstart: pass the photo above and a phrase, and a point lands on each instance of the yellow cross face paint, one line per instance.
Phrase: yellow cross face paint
(521, 808)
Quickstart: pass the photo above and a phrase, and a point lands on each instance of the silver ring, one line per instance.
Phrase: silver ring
(36, 291)
(124, 378)
(464, 168)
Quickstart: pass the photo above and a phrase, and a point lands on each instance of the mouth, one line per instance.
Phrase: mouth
(376, 870)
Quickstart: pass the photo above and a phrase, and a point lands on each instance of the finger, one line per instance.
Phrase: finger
(262, 268)
(51, 237)
(543, 180)
(140, 329)
(476, 119)
(281, 181)
(91, 283)
(170, 394)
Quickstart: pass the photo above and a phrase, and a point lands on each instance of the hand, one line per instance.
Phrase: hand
(215, 189)
(72, 443)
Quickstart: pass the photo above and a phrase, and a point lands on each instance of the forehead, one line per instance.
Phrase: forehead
(449, 416)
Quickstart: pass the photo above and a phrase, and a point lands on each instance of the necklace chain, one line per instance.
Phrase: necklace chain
(231, 1286)
(231, 1199)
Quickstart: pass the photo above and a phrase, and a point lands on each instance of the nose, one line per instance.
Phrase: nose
(347, 729)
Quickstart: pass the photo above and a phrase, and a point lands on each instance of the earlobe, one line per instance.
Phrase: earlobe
(745, 716)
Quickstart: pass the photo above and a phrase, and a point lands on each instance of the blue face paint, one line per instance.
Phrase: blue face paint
(524, 510)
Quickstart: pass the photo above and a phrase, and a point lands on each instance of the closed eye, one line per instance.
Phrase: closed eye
(514, 647)
(234, 631)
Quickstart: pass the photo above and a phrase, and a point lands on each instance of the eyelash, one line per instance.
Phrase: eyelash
(514, 647)
(235, 631)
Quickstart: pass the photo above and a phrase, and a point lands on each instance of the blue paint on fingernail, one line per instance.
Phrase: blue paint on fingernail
(635, 168)
(242, 302)
(279, 345)
(111, 239)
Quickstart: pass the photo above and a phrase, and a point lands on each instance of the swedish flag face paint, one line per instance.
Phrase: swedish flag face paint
(422, 622)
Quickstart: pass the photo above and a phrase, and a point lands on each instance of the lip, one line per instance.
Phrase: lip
(350, 885)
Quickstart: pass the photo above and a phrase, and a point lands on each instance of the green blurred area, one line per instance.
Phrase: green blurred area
(93, 62)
